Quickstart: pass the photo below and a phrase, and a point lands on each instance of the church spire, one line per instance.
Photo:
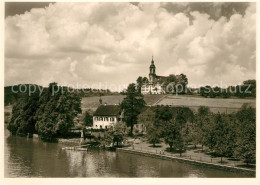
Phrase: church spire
(152, 67)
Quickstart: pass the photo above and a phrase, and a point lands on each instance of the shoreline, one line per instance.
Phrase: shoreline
(250, 172)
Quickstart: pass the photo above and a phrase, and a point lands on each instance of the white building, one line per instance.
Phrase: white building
(154, 86)
(152, 89)
(106, 116)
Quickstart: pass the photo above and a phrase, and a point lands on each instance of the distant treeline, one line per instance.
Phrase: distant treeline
(177, 84)
(14, 93)
(247, 89)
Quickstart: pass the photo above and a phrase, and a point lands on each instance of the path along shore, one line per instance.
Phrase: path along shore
(192, 156)
(167, 156)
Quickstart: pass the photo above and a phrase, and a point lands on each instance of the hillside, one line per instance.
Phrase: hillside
(91, 103)
(221, 105)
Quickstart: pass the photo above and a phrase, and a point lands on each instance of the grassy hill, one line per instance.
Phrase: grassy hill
(91, 103)
(221, 105)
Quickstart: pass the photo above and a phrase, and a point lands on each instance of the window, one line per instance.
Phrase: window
(112, 119)
(96, 125)
(100, 126)
(101, 118)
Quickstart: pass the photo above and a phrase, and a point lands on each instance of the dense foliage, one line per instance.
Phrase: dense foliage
(153, 134)
(132, 105)
(247, 89)
(246, 134)
(175, 84)
(116, 134)
(23, 116)
(224, 135)
(50, 115)
(170, 124)
(140, 82)
(88, 119)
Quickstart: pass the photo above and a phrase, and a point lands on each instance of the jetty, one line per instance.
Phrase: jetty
(78, 148)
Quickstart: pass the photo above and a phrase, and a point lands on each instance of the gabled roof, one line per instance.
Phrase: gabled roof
(107, 110)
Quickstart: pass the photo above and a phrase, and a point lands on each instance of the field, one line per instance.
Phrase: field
(216, 104)
(92, 103)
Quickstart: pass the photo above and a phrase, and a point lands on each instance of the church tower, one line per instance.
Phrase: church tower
(152, 74)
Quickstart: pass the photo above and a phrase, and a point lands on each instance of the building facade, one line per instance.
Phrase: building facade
(107, 116)
(154, 85)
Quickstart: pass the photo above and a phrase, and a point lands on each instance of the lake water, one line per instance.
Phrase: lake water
(34, 158)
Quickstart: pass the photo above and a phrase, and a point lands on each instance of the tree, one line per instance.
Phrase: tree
(180, 142)
(56, 113)
(145, 80)
(169, 83)
(139, 82)
(221, 139)
(251, 85)
(23, 121)
(132, 105)
(246, 134)
(181, 83)
(153, 134)
(174, 135)
(247, 89)
(205, 91)
(116, 134)
(173, 121)
(163, 113)
(200, 128)
(88, 120)
(170, 132)
(147, 116)
(183, 134)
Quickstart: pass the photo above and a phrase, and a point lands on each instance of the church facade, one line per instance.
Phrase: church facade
(154, 85)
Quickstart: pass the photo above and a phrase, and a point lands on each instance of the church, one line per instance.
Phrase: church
(154, 85)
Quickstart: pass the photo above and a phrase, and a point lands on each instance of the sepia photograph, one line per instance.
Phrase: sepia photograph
(129, 90)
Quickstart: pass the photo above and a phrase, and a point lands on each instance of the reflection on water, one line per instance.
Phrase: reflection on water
(33, 158)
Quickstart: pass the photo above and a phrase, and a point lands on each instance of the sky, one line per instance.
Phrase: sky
(108, 45)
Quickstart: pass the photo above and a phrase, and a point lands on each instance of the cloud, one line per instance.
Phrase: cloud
(113, 42)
